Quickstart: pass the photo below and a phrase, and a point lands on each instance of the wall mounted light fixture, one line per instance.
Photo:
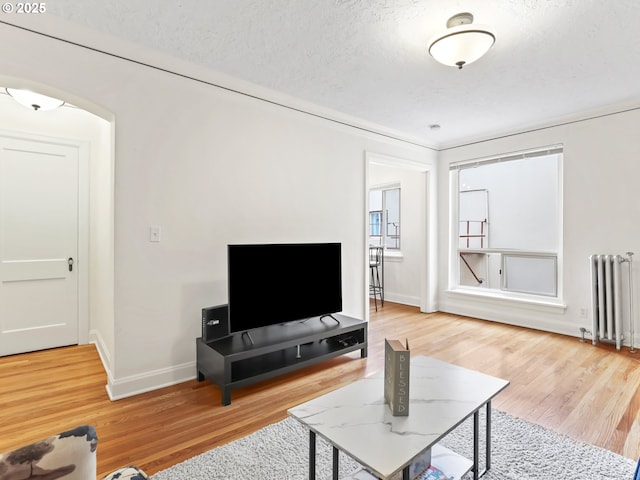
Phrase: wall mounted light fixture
(462, 43)
(34, 100)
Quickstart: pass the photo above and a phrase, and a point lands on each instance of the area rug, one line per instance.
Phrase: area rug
(520, 451)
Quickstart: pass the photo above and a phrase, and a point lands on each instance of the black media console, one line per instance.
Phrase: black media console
(237, 360)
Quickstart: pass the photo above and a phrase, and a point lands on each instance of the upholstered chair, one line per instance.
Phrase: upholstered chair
(70, 455)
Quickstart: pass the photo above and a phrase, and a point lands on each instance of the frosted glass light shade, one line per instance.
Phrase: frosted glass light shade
(34, 100)
(462, 45)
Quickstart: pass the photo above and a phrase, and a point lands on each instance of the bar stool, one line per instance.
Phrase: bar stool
(376, 264)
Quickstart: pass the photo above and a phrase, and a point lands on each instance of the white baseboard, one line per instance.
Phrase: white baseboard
(141, 383)
(103, 352)
(153, 380)
(402, 299)
(532, 319)
(550, 319)
(547, 318)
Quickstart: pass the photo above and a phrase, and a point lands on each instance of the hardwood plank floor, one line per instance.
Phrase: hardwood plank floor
(588, 393)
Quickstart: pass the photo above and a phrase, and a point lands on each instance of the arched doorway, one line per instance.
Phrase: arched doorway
(29, 314)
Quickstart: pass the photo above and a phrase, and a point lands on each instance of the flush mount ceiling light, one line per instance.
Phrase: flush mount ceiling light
(462, 43)
(34, 100)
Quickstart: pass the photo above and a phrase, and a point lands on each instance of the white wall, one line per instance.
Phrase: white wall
(601, 215)
(210, 167)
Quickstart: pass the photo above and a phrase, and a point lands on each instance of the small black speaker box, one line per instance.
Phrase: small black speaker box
(215, 322)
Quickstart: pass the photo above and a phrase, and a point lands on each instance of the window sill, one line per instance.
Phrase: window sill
(552, 303)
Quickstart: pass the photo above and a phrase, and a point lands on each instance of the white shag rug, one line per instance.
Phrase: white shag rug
(520, 451)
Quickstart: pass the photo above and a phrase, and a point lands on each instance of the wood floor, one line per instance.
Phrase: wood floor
(586, 392)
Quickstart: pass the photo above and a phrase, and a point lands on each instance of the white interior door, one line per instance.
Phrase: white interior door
(39, 209)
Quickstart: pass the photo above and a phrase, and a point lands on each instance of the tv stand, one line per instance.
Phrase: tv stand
(230, 362)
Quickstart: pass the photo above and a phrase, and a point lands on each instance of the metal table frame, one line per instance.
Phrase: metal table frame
(405, 472)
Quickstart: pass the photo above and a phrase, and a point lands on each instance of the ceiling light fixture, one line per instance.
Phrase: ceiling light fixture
(462, 43)
(34, 100)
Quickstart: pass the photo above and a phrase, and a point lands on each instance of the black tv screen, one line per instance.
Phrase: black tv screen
(279, 283)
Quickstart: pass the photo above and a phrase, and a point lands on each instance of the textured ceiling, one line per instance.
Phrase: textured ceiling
(368, 59)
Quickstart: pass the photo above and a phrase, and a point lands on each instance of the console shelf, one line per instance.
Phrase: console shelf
(234, 361)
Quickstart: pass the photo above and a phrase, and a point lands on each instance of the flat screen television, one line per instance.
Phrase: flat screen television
(279, 283)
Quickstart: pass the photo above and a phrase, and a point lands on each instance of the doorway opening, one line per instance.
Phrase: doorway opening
(67, 154)
(401, 225)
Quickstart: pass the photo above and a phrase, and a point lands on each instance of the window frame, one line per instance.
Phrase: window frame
(384, 224)
(456, 251)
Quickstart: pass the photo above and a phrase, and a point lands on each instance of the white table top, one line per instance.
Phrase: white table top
(356, 420)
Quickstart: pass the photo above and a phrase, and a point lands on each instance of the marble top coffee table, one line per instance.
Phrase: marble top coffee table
(355, 419)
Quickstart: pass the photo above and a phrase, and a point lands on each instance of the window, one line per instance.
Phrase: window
(508, 216)
(384, 217)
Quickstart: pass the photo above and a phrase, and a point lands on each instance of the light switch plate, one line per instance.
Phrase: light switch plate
(154, 233)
